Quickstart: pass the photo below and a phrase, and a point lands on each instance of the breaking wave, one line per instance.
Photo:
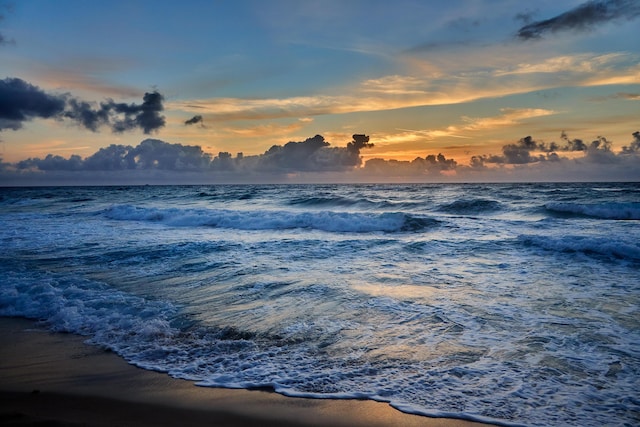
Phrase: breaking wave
(275, 220)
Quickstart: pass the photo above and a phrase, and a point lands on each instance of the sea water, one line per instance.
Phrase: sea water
(516, 304)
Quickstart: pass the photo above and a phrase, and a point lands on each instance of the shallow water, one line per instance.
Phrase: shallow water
(515, 304)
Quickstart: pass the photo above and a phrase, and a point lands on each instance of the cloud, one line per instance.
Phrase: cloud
(311, 155)
(582, 18)
(153, 153)
(523, 151)
(508, 117)
(634, 146)
(580, 63)
(148, 155)
(53, 163)
(145, 116)
(314, 158)
(516, 154)
(21, 101)
(431, 85)
(194, 120)
(428, 166)
(527, 159)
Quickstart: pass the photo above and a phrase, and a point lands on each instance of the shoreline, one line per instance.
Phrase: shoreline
(57, 378)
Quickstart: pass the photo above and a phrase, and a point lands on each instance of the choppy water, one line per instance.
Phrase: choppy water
(513, 304)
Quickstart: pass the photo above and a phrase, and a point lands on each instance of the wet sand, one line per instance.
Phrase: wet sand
(55, 379)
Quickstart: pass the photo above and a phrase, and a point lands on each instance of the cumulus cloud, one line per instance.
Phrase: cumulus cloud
(583, 17)
(528, 150)
(149, 154)
(53, 163)
(428, 166)
(311, 155)
(21, 101)
(314, 155)
(634, 146)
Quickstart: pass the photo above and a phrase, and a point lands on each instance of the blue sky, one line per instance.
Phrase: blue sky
(463, 78)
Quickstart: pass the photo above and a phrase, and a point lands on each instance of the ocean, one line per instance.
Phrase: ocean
(514, 304)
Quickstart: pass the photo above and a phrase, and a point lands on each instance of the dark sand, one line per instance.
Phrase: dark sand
(53, 379)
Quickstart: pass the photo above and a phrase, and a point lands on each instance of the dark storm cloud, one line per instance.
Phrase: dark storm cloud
(21, 101)
(85, 115)
(583, 17)
(194, 120)
(145, 116)
(120, 117)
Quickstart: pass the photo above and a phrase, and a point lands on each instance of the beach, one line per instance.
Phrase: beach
(58, 379)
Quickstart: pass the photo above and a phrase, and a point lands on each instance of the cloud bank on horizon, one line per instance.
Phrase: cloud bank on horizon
(315, 156)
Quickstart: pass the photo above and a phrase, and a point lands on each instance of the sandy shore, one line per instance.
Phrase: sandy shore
(57, 380)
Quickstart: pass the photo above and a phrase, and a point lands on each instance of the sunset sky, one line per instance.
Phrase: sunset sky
(468, 79)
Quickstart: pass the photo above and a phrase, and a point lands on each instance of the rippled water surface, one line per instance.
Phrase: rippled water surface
(513, 304)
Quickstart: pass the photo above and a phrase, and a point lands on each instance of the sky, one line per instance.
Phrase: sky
(256, 91)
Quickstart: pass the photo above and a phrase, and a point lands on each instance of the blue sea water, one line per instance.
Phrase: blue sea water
(516, 304)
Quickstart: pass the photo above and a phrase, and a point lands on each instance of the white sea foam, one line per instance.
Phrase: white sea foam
(109, 317)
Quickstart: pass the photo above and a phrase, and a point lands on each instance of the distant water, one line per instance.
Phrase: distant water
(512, 304)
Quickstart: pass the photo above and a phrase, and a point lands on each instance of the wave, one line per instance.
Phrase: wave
(612, 210)
(337, 201)
(244, 195)
(274, 220)
(598, 246)
(342, 202)
(112, 318)
(471, 206)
